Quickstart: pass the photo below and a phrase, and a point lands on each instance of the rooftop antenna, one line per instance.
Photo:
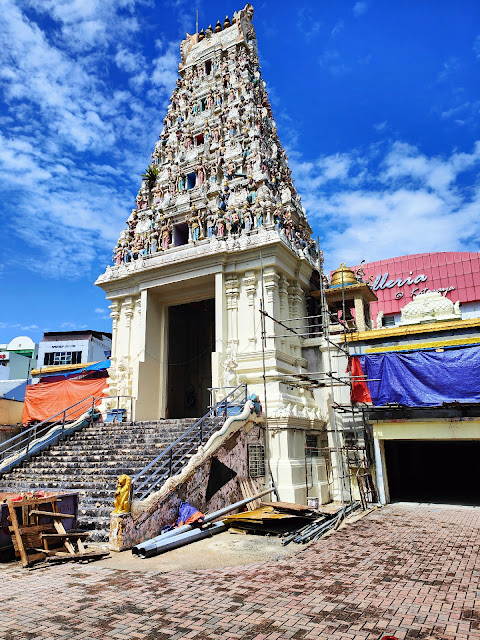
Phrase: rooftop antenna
(197, 22)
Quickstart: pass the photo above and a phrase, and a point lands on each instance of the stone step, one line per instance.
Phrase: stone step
(89, 462)
(140, 458)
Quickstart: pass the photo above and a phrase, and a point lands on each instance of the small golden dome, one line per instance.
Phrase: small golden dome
(201, 35)
(226, 23)
(348, 276)
(218, 27)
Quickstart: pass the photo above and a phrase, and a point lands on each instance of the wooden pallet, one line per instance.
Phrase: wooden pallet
(34, 540)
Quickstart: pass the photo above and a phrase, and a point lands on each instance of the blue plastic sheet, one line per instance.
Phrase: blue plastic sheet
(424, 378)
(96, 366)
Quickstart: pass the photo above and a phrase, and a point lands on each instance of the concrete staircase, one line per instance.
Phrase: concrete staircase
(90, 461)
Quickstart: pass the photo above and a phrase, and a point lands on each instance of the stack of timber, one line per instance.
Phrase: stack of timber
(38, 532)
(272, 518)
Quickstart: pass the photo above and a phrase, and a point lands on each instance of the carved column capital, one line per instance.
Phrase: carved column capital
(282, 291)
(270, 282)
(232, 289)
(128, 310)
(250, 283)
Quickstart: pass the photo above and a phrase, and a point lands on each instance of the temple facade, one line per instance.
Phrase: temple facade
(217, 232)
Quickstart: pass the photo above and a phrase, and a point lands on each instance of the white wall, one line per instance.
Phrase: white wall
(64, 345)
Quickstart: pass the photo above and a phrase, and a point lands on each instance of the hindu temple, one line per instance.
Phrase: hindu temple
(217, 228)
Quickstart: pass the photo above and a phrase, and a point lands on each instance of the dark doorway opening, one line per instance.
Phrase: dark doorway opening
(191, 339)
(443, 472)
(180, 234)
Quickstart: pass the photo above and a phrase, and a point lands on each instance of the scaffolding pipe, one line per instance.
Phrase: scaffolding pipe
(139, 549)
(187, 537)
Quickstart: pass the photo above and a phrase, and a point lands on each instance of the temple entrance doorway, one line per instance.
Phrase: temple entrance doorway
(191, 340)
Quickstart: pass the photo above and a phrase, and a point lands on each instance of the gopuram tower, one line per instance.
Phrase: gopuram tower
(217, 227)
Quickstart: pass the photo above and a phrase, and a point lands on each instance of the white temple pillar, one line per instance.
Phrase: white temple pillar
(250, 284)
(152, 361)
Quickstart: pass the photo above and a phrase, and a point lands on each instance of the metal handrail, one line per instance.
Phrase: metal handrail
(204, 427)
(25, 438)
(14, 443)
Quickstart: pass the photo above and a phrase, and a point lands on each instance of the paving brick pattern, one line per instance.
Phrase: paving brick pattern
(407, 571)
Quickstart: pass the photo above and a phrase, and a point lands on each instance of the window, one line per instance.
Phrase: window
(388, 321)
(199, 139)
(62, 357)
(256, 460)
(208, 67)
(191, 180)
(311, 445)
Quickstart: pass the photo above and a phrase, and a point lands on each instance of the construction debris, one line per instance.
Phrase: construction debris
(156, 545)
(319, 527)
(270, 520)
(39, 534)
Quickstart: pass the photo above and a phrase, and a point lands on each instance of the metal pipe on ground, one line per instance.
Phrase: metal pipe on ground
(187, 537)
(144, 547)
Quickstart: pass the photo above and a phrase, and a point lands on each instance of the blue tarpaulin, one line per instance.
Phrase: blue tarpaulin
(423, 378)
(96, 366)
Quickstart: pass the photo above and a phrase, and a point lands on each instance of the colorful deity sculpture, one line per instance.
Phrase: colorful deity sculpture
(238, 146)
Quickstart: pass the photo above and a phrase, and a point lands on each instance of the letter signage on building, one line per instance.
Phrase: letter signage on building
(398, 280)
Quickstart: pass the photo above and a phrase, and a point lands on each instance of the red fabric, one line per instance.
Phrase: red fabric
(45, 399)
(360, 392)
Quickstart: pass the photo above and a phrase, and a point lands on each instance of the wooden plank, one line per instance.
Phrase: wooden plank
(32, 502)
(62, 536)
(18, 536)
(288, 506)
(80, 546)
(35, 528)
(35, 556)
(51, 514)
(88, 555)
(61, 529)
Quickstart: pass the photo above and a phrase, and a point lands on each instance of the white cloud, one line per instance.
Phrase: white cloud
(339, 26)
(73, 326)
(359, 8)
(165, 68)
(378, 205)
(89, 24)
(476, 46)
(129, 61)
(380, 126)
(66, 131)
(332, 61)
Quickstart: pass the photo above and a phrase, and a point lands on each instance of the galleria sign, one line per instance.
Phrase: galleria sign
(382, 282)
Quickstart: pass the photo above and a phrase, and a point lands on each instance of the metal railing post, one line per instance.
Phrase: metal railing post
(63, 422)
(171, 461)
(28, 442)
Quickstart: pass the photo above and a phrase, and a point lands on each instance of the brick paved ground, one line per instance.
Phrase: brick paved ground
(406, 571)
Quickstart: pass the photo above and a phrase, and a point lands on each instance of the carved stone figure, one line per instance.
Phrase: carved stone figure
(123, 495)
(239, 147)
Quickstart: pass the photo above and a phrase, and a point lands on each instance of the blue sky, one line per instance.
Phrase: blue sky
(377, 103)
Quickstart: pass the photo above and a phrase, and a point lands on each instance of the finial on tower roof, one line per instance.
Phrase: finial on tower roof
(201, 35)
(226, 22)
(218, 27)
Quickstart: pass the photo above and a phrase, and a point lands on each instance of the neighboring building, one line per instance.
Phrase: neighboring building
(423, 401)
(59, 348)
(396, 281)
(18, 358)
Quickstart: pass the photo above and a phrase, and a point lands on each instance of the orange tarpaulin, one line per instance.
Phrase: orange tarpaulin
(45, 399)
